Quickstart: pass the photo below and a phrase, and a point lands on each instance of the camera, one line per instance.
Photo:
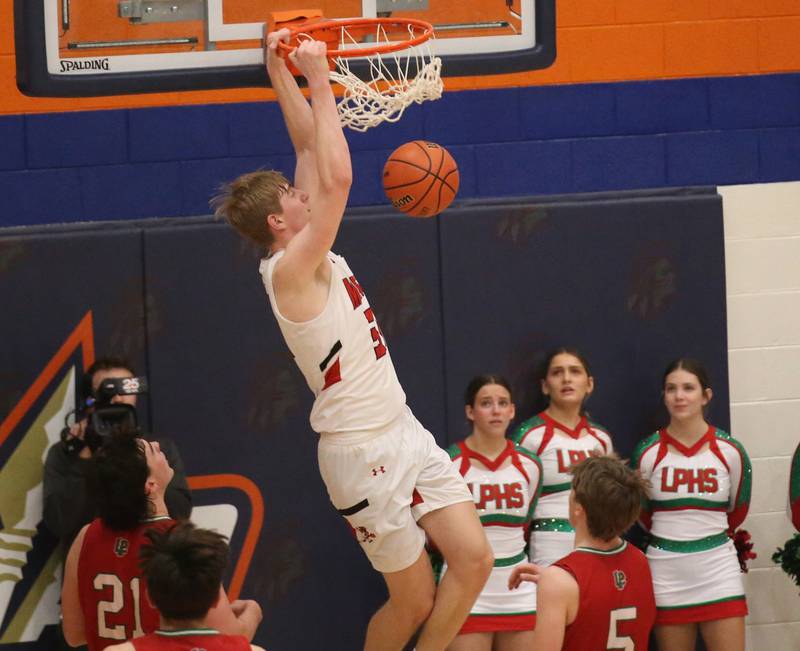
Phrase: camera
(103, 415)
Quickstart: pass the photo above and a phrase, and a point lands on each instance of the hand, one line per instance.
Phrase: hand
(271, 39)
(310, 58)
(248, 608)
(78, 431)
(525, 572)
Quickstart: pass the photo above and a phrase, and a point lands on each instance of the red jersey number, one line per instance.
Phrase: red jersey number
(115, 605)
(377, 335)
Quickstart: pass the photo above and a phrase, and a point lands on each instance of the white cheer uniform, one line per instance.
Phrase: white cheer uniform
(697, 494)
(376, 459)
(505, 490)
(558, 447)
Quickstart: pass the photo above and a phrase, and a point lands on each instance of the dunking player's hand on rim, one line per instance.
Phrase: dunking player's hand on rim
(309, 57)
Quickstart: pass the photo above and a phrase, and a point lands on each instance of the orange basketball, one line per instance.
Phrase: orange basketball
(420, 178)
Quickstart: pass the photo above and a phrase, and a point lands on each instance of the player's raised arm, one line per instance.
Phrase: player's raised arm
(296, 112)
(308, 246)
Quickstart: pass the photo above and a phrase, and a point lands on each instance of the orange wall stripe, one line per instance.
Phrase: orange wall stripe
(83, 336)
(245, 485)
(597, 40)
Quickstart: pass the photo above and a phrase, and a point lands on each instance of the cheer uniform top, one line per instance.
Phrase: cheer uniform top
(558, 447)
(343, 356)
(697, 495)
(505, 491)
(202, 639)
(111, 588)
(616, 607)
(794, 490)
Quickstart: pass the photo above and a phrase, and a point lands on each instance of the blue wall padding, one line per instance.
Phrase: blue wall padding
(179, 133)
(724, 157)
(130, 191)
(50, 280)
(650, 107)
(508, 142)
(542, 167)
(769, 101)
(33, 193)
(618, 277)
(567, 111)
(12, 137)
(472, 117)
(257, 129)
(632, 279)
(780, 154)
(616, 163)
(77, 139)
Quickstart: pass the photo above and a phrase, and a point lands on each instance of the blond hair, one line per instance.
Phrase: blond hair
(246, 202)
(610, 492)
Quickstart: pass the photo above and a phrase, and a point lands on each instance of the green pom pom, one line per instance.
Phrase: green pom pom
(788, 557)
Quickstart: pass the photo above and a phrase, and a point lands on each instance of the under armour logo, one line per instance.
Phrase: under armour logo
(375, 471)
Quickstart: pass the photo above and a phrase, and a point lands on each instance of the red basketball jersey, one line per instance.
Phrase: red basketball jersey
(617, 608)
(191, 640)
(110, 584)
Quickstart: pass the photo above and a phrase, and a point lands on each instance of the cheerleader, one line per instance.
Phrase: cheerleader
(560, 436)
(505, 481)
(700, 489)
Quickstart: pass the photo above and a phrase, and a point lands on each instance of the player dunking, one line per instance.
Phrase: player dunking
(600, 596)
(383, 471)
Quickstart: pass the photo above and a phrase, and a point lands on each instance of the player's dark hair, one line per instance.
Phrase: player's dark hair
(692, 366)
(183, 568)
(544, 369)
(102, 364)
(563, 350)
(115, 480)
(480, 381)
(610, 492)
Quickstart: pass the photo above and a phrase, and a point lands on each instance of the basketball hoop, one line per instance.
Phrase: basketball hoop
(402, 68)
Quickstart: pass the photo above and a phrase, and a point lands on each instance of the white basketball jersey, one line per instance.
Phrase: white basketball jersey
(343, 356)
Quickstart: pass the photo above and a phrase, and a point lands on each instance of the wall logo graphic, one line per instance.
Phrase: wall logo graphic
(30, 558)
(30, 561)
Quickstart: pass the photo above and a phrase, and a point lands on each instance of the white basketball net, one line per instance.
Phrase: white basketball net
(396, 80)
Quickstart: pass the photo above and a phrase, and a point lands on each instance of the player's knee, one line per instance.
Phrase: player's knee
(422, 609)
(414, 611)
(474, 561)
(487, 560)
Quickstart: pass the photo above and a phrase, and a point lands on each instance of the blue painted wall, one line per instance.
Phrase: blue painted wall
(166, 162)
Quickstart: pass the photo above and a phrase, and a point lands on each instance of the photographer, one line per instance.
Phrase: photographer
(67, 507)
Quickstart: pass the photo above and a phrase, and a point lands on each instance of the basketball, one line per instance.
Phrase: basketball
(420, 178)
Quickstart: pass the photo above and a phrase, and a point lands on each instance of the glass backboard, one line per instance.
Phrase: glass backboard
(74, 48)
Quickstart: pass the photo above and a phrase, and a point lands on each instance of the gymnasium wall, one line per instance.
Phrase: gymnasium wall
(489, 287)
(762, 249)
(642, 94)
(655, 94)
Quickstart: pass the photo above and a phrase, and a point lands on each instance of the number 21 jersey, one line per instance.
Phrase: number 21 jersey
(111, 588)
